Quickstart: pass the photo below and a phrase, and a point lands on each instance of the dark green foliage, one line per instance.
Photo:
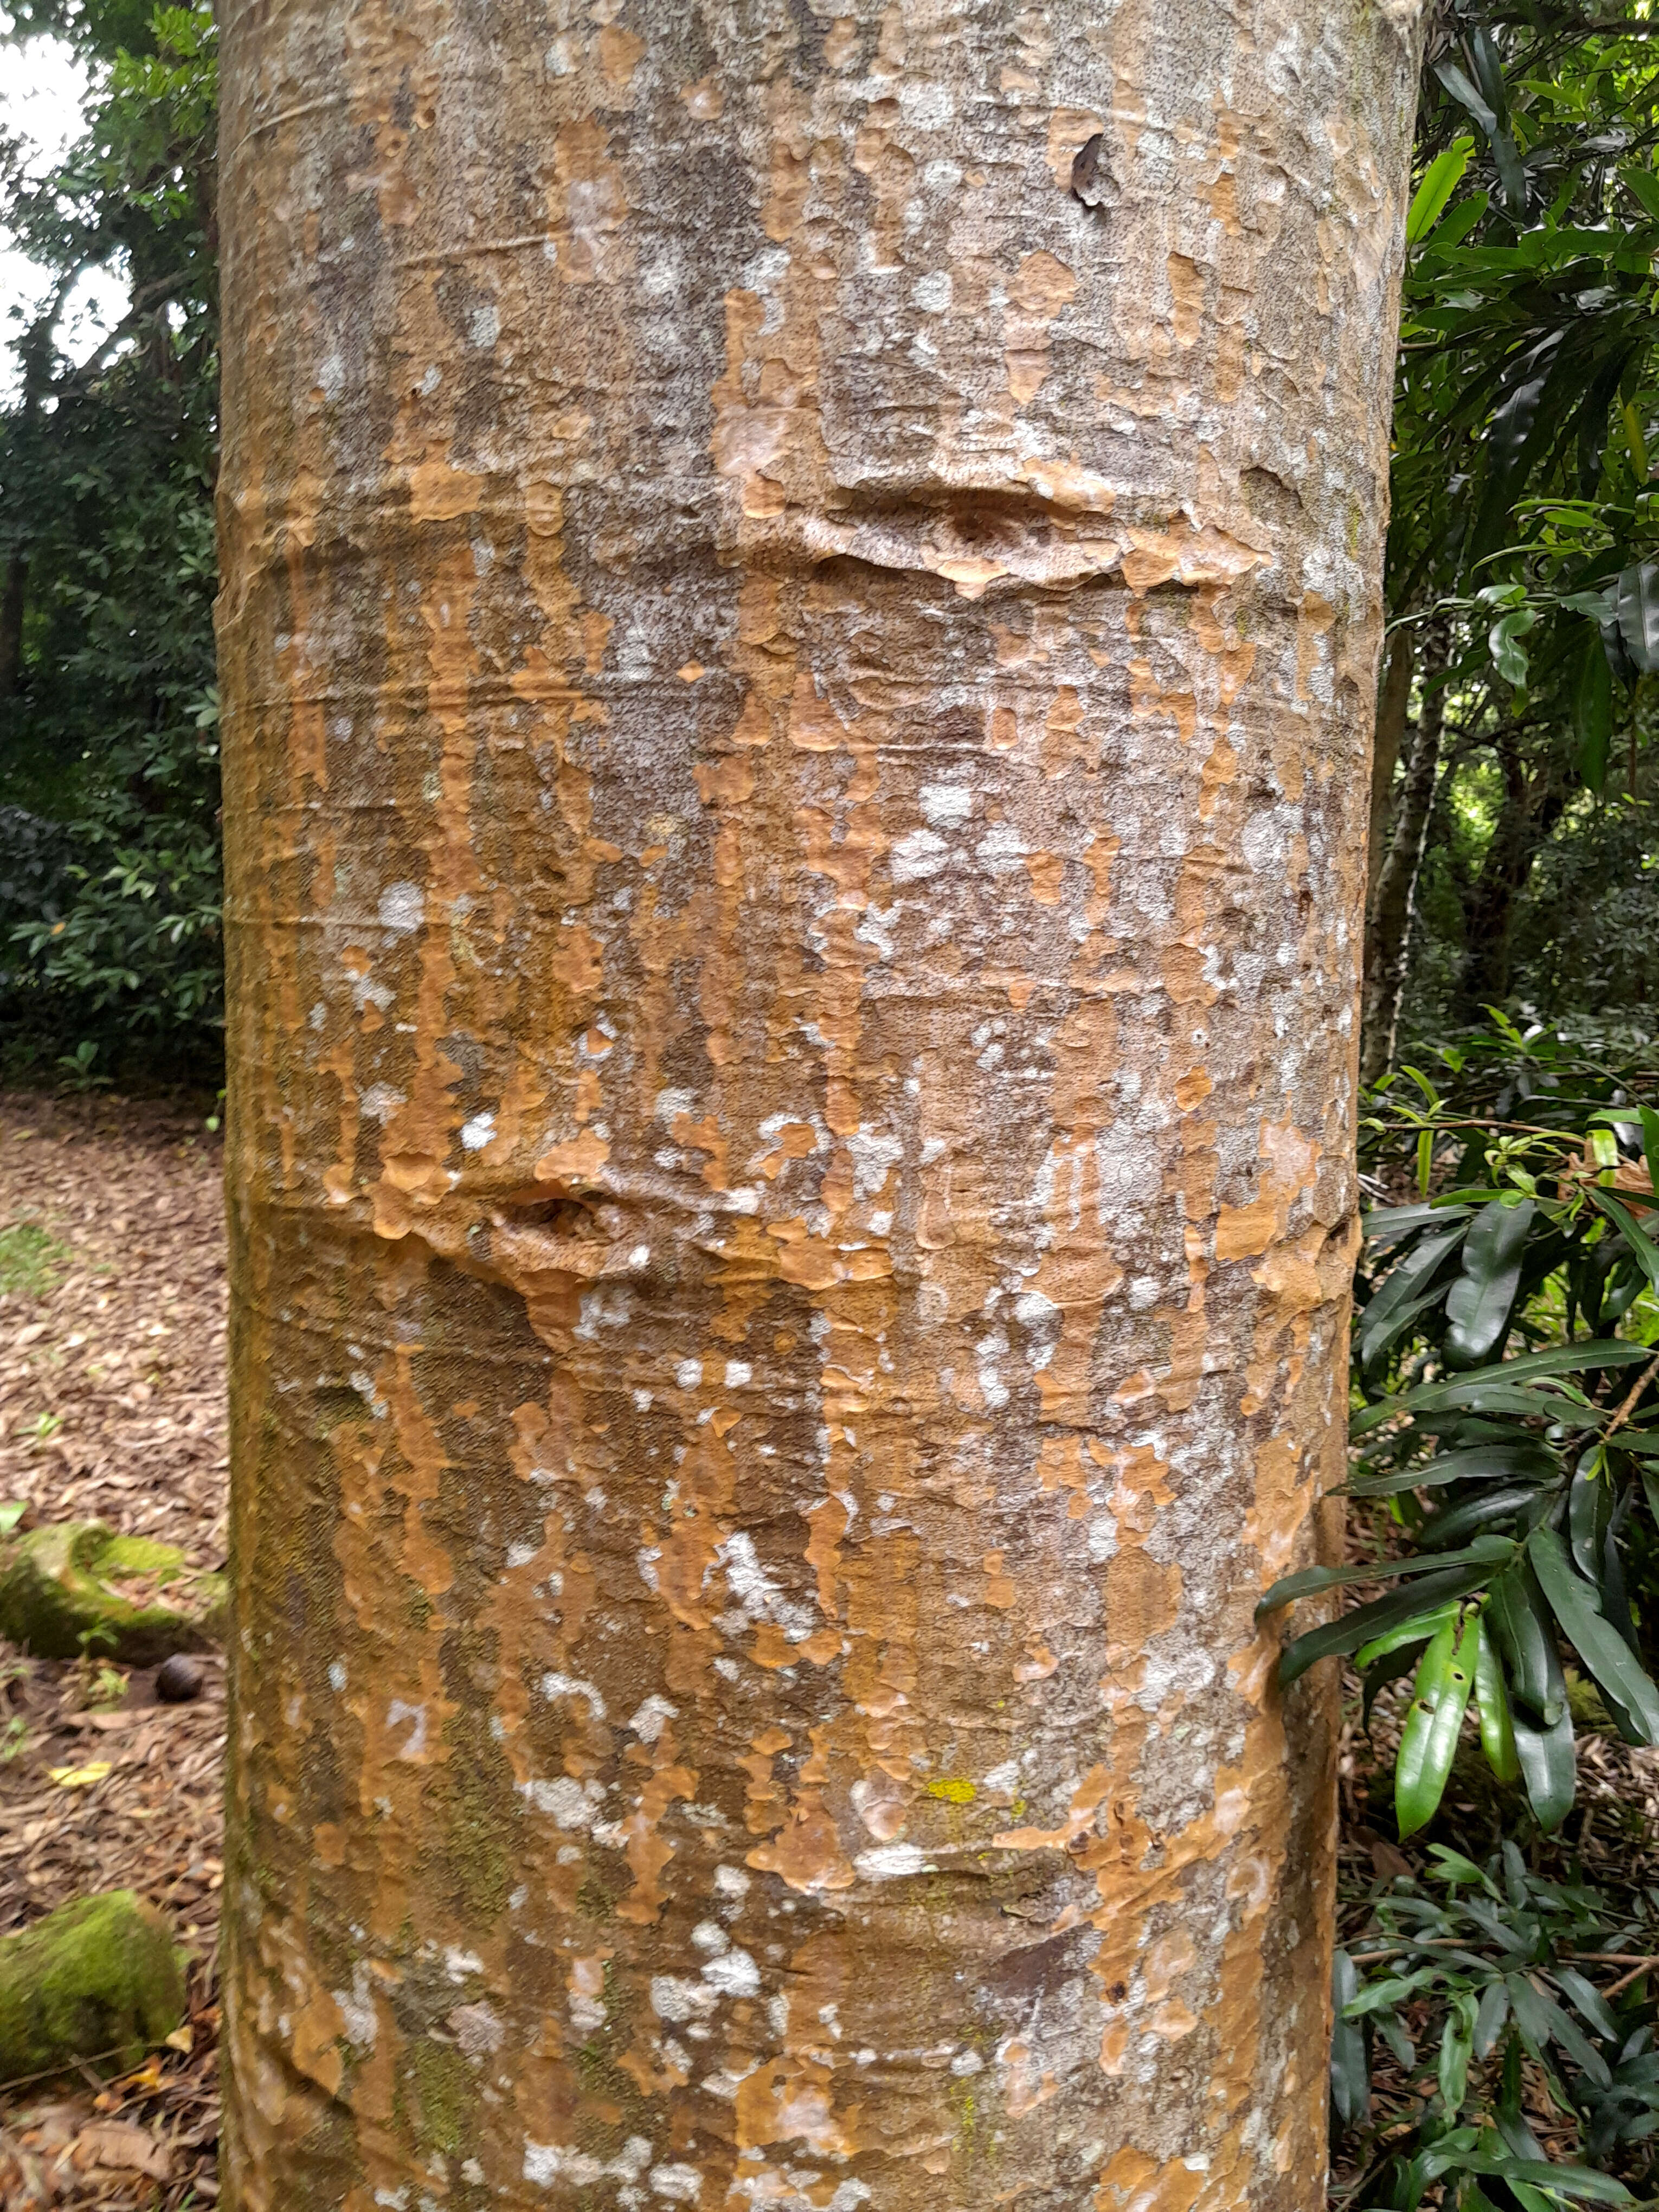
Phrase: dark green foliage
(1463, 1981)
(1512, 1482)
(109, 864)
(1526, 535)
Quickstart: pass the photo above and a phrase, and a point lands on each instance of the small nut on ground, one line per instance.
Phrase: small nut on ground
(180, 1679)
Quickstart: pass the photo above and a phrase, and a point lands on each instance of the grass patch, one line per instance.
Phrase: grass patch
(30, 1259)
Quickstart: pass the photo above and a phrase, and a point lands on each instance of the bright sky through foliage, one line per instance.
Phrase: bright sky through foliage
(45, 85)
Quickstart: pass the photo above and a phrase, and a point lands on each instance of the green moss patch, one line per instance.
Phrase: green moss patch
(99, 1980)
(80, 1588)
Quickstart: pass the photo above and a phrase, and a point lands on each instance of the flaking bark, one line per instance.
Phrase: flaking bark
(797, 704)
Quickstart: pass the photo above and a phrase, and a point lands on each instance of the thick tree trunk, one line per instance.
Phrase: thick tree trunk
(800, 637)
(1394, 900)
(1531, 808)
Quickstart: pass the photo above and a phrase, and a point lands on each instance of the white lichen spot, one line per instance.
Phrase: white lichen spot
(734, 1974)
(739, 1373)
(676, 1999)
(946, 805)
(918, 856)
(483, 325)
(651, 1717)
(397, 1713)
(567, 1685)
(478, 1132)
(572, 1804)
(381, 1102)
(402, 907)
(890, 1862)
(874, 1154)
(360, 2021)
(731, 1881)
(680, 2184)
(689, 1374)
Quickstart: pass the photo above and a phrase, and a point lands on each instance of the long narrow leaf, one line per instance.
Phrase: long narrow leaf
(1382, 1614)
(1493, 1551)
(1429, 1742)
(1576, 1605)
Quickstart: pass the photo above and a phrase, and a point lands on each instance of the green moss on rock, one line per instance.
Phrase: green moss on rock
(98, 1976)
(61, 1595)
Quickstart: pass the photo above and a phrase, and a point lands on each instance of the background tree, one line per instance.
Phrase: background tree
(1520, 572)
(108, 708)
(799, 632)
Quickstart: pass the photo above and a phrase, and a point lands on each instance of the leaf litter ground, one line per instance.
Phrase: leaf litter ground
(112, 1409)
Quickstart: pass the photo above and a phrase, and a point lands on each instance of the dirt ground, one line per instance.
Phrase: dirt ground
(112, 1409)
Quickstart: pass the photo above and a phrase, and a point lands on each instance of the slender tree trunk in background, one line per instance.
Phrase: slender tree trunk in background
(1388, 934)
(799, 635)
(14, 599)
(1530, 810)
(1394, 702)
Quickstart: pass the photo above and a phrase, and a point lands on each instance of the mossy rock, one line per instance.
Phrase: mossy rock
(99, 1979)
(79, 1587)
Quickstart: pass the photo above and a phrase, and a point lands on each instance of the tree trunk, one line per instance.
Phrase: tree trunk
(1394, 704)
(14, 600)
(1394, 904)
(1531, 808)
(799, 637)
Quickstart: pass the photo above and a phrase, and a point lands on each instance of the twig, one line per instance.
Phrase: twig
(1627, 1405)
(1617, 1988)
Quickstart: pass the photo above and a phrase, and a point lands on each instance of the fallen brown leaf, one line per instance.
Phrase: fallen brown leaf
(117, 2143)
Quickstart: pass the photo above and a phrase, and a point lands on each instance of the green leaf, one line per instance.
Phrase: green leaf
(1490, 2019)
(1428, 1742)
(1519, 1624)
(1650, 1146)
(1416, 1631)
(1494, 1551)
(1644, 186)
(1348, 1632)
(1496, 1726)
(1456, 2045)
(1389, 1222)
(1577, 1606)
(1503, 643)
(1587, 2001)
(11, 1513)
(1585, 1358)
(1405, 1282)
(1647, 1254)
(1592, 711)
(1351, 2081)
(1440, 181)
(1636, 611)
(1476, 1514)
(1494, 1390)
(1477, 1463)
(1589, 1512)
(1478, 1304)
(1549, 1767)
